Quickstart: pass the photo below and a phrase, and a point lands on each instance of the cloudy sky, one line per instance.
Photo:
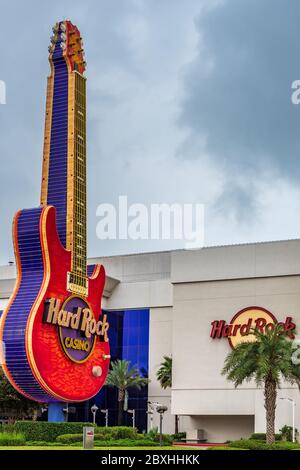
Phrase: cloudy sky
(188, 101)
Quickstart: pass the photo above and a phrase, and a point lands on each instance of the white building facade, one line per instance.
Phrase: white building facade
(185, 291)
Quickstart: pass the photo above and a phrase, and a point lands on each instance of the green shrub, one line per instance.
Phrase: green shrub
(44, 444)
(7, 427)
(122, 432)
(282, 445)
(104, 434)
(116, 443)
(287, 433)
(261, 436)
(153, 435)
(126, 443)
(179, 436)
(222, 448)
(12, 439)
(251, 444)
(44, 431)
(71, 438)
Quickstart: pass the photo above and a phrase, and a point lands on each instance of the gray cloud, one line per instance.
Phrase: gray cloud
(238, 89)
(185, 104)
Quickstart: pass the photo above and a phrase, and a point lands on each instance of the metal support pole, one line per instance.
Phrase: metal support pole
(294, 416)
(160, 429)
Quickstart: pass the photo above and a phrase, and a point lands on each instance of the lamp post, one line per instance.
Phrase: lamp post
(106, 416)
(132, 412)
(66, 412)
(161, 410)
(293, 403)
(94, 410)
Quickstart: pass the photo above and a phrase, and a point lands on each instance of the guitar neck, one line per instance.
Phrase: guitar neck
(78, 243)
(64, 161)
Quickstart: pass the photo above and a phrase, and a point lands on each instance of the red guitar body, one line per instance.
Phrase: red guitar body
(53, 372)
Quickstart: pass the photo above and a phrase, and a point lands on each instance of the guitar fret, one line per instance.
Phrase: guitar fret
(79, 196)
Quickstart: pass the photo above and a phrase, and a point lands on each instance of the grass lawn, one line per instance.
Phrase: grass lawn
(96, 448)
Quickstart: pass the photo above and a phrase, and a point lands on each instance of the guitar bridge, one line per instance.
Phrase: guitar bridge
(77, 284)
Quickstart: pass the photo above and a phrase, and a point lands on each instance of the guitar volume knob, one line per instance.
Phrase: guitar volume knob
(97, 371)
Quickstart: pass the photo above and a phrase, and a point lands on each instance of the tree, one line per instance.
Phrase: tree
(12, 402)
(267, 360)
(164, 376)
(124, 377)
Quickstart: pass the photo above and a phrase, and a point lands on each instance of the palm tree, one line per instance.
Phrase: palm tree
(164, 376)
(123, 377)
(12, 402)
(267, 360)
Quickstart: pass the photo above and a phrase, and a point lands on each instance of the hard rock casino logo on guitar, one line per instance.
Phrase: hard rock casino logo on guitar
(77, 327)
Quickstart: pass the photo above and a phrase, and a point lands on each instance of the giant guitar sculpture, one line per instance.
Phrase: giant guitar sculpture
(53, 330)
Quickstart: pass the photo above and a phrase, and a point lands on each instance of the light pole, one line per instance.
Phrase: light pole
(94, 410)
(293, 403)
(132, 412)
(161, 410)
(106, 416)
(66, 412)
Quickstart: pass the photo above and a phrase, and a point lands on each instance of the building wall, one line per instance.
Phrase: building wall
(185, 291)
(145, 282)
(160, 339)
(283, 409)
(198, 386)
(222, 428)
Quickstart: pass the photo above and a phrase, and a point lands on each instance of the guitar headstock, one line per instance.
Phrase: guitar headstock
(66, 42)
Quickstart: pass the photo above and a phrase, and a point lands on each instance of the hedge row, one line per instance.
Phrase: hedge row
(251, 444)
(105, 435)
(98, 443)
(125, 443)
(117, 432)
(261, 436)
(12, 439)
(44, 431)
(68, 433)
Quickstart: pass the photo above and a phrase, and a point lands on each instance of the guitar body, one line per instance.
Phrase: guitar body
(36, 360)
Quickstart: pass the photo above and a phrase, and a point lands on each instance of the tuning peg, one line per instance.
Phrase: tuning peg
(63, 27)
(63, 36)
(53, 39)
(51, 48)
(55, 28)
(63, 46)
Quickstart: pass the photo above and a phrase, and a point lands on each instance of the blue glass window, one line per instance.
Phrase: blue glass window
(129, 340)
